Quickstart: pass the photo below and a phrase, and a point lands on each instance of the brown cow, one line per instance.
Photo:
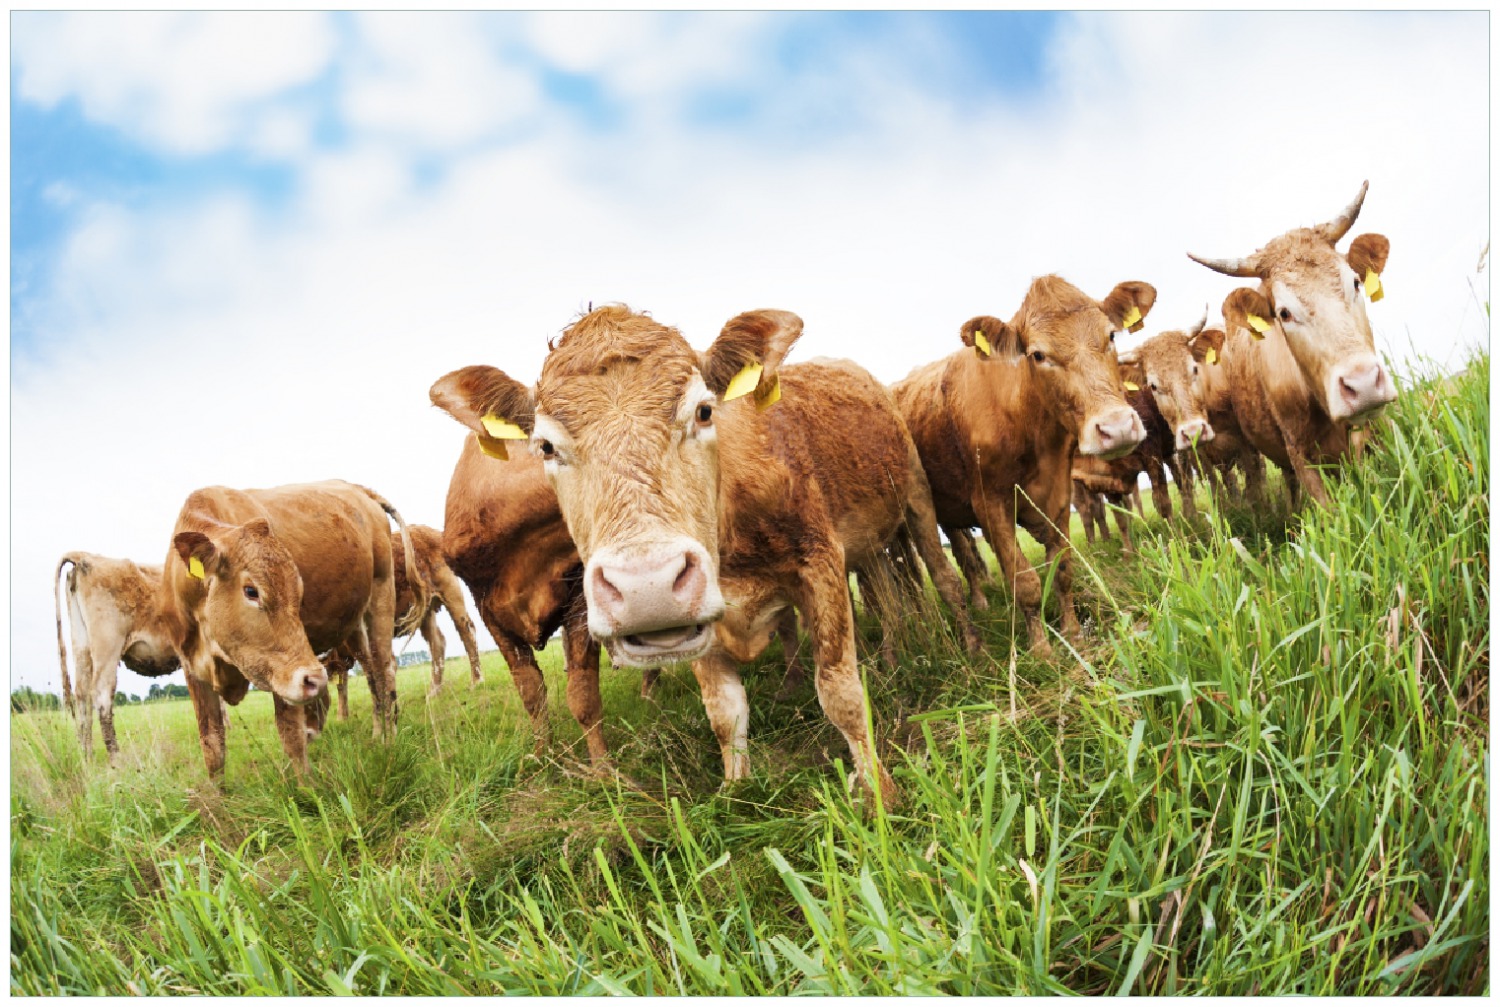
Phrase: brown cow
(445, 591)
(1300, 355)
(1228, 450)
(115, 615)
(699, 519)
(997, 424)
(257, 583)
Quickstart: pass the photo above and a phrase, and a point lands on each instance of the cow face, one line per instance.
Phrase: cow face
(625, 418)
(1066, 341)
(250, 615)
(1315, 297)
(1172, 366)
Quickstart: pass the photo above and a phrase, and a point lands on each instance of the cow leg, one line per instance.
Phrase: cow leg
(1135, 501)
(106, 648)
(791, 649)
(452, 596)
(291, 726)
(966, 552)
(1255, 478)
(1182, 472)
(581, 652)
(359, 648)
(648, 681)
(380, 632)
(830, 621)
(317, 714)
(873, 590)
(999, 527)
(211, 722)
(532, 688)
(1081, 504)
(343, 686)
(437, 646)
(1060, 555)
(1156, 475)
(921, 529)
(1123, 516)
(728, 710)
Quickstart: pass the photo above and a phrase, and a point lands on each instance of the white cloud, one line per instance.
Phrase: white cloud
(214, 343)
(183, 80)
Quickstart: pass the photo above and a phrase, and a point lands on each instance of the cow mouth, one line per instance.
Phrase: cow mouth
(676, 643)
(1110, 456)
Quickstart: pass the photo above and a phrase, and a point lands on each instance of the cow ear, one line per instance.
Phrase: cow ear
(1207, 346)
(1367, 254)
(1247, 308)
(748, 354)
(989, 337)
(197, 551)
(1128, 304)
(487, 401)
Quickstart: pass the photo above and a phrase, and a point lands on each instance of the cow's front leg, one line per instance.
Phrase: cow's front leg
(581, 655)
(211, 721)
(291, 726)
(971, 563)
(1060, 554)
(824, 604)
(728, 710)
(998, 523)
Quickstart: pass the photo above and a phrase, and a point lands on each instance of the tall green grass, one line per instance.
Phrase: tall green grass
(1264, 773)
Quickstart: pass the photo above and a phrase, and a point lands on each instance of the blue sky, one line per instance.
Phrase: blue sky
(244, 245)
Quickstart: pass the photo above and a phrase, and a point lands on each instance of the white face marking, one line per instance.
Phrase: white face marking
(551, 443)
(695, 396)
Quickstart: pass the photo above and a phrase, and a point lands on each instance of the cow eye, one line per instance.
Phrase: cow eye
(1153, 385)
(548, 451)
(1039, 356)
(705, 413)
(251, 594)
(1284, 314)
(1357, 284)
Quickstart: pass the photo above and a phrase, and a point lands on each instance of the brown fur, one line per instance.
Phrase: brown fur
(997, 434)
(115, 613)
(320, 558)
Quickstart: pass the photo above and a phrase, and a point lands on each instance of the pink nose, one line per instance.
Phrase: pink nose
(1113, 434)
(308, 682)
(658, 589)
(1193, 432)
(1364, 387)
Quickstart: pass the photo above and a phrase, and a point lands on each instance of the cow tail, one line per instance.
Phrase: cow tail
(62, 650)
(407, 622)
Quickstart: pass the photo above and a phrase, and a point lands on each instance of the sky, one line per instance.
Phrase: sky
(244, 245)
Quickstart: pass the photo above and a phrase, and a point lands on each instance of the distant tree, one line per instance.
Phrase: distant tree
(26, 699)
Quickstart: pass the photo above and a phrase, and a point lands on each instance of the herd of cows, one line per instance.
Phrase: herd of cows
(679, 505)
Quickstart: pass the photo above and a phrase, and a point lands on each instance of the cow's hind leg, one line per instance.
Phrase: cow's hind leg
(291, 726)
(452, 596)
(791, 650)
(437, 647)
(971, 563)
(999, 525)
(921, 529)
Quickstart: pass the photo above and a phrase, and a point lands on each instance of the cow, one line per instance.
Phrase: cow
(997, 424)
(708, 492)
(258, 582)
(1300, 355)
(115, 615)
(445, 591)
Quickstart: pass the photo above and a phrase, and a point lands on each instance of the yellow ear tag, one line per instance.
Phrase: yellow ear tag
(744, 383)
(195, 567)
(1372, 285)
(1212, 356)
(1258, 326)
(771, 397)
(1131, 386)
(502, 430)
(492, 447)
(981, 344)
(1132, 320)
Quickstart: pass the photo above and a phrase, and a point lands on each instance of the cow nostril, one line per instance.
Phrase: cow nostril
(604, 591)
(685, 576)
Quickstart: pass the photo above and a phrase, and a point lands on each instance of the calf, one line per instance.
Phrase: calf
(708, 492)
(257, 583)
(1301, 358)
(427, 546)
(997, 424)
(115, 614)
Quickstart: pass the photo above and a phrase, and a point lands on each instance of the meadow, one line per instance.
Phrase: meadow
(1264, 772)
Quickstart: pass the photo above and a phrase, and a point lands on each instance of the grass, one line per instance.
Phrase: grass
(1265, 772)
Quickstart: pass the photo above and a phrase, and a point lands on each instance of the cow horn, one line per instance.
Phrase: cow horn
(1201, 323)
(1229, 267)
(1339, 226)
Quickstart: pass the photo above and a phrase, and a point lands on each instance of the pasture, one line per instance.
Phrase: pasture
(1265, 772)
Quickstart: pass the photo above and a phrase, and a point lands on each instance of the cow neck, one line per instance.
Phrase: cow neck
(1002, 404)
(754, 483)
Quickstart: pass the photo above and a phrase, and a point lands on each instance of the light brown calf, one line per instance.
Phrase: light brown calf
(997, 424)
(1300, 355)
(115, 615)
(444, 591)
(701, 520)
(257, 583)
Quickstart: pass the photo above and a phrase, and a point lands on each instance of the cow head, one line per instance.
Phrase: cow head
(625, 418)
(1171, 365)
(1066, 341)
(250, 611)
(1315, 298)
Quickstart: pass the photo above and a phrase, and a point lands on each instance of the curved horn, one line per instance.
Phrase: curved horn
(1229, 267)
(1339, 226)
(1191, 333)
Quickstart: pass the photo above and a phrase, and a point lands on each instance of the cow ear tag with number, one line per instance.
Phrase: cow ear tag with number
(195, 567)
(496, 432)
(1372, 285)
(1132, 320)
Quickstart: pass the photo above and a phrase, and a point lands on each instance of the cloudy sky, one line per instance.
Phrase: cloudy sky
(244, 245)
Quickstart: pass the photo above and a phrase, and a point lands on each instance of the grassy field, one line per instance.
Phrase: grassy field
(1264, 773)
